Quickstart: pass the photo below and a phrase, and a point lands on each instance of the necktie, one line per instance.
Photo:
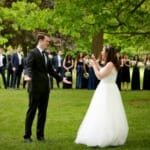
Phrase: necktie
(43, 54)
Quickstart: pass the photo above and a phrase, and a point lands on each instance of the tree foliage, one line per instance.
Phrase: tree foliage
(123, 23)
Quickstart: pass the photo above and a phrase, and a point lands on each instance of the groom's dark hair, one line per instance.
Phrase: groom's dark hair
(41, 35)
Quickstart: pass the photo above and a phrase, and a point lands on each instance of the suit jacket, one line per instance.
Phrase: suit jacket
(9, 65)
(38, 71)
(15, 61)
(55, 62)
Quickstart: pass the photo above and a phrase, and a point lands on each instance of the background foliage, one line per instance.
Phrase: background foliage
(75, 24)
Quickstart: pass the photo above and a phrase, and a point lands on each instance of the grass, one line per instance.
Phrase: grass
(65, 112)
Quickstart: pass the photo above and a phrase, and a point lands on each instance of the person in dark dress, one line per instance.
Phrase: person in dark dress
(146, 78)
(80, 69)
(92, 81)
(68, 65)
(125, 72)
(135, 81)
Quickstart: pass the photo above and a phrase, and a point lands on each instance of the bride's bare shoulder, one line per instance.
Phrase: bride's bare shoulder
(110, 64)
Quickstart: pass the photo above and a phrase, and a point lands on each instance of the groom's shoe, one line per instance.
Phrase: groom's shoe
(28, 140)
(42, 139)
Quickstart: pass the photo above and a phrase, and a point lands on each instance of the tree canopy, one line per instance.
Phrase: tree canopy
(77, 23)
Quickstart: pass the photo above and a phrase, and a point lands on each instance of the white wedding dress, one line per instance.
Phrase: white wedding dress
(105, 123)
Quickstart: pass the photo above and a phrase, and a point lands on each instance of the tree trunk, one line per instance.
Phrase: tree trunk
(97, 44)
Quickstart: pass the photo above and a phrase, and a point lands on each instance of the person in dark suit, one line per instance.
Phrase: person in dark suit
(58, 64)
(17, 67)
(3, 62)
(9, 68)
(36, 72)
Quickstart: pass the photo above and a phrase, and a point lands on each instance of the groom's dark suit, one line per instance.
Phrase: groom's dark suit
(38, 89)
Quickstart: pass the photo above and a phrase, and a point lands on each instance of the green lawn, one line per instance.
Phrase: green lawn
(65, 112)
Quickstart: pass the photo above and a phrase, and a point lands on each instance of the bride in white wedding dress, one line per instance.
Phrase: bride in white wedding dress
(105, 123)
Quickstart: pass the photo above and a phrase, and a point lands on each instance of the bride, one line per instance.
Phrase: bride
(105, 123)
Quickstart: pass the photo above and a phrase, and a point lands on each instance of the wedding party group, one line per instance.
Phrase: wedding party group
(134, 72)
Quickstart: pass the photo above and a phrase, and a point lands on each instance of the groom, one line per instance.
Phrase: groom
(36, 72)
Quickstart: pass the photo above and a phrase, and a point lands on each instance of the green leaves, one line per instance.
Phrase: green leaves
(3, 40)
(80, 20)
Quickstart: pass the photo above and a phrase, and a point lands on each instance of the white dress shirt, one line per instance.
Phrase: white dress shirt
(59, 61)
(1, 60)
(43, 54)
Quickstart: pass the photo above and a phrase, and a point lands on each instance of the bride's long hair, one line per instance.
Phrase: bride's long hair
(111, 56)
